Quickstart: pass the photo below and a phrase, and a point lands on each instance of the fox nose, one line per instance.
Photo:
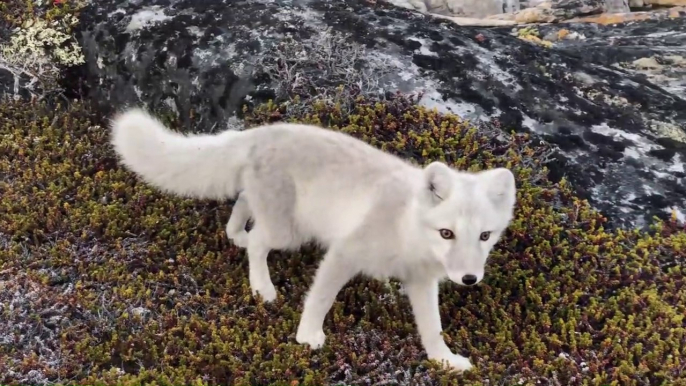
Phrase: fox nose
(469, 279)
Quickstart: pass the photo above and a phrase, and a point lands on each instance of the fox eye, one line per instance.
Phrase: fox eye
(447, 234)
(484, 236)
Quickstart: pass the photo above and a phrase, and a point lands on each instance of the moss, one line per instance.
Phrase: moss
(112, 282)
(531, 34)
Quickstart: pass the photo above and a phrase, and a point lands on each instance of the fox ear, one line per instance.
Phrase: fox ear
(437, 181)
(500, 187)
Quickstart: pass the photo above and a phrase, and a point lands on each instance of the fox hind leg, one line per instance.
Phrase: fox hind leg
(271, 200)
(241, 230)
(240, 219)
(258, 251)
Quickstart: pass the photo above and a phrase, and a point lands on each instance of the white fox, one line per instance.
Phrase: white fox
(375, 214)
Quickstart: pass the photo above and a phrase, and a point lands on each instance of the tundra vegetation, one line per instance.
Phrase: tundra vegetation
(105, 280)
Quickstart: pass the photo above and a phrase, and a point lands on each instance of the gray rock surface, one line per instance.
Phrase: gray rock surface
(621, 128)
(616, 6)
(484, 8)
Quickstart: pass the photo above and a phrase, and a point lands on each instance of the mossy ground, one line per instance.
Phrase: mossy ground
(104, 280)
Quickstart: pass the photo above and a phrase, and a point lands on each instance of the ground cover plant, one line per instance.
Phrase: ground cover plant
(104, 280)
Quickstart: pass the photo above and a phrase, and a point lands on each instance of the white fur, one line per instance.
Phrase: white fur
(376, 214)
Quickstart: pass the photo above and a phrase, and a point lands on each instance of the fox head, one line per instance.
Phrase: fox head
(463, 215)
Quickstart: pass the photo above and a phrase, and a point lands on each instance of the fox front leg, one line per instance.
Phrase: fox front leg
(423, 296)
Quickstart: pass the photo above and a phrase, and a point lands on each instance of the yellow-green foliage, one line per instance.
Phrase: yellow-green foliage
(32, 42)
(122, 284)
(16, 12)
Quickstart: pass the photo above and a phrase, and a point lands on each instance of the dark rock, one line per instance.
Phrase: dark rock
(7, 82)
(207, 58)
(567, 9)
(16, 84)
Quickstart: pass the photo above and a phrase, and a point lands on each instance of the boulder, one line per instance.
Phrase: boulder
(549, 11)
(615, 6)
(610, 97)
(665, 2)
(468, 8)
(485, 8)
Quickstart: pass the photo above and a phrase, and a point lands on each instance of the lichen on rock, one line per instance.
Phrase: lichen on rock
(40, 44)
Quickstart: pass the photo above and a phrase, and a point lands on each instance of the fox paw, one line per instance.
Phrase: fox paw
(266, 290)
(455, 362)
(315, 338)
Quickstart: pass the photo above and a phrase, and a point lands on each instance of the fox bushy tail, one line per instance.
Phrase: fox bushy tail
(200, 166)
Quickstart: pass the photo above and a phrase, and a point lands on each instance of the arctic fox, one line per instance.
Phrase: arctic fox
(376, 214)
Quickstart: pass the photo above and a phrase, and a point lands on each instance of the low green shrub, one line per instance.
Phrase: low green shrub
(104, 280)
